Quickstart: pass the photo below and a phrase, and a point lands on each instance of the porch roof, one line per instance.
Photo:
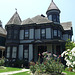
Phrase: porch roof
(49, 41)
(2, 48)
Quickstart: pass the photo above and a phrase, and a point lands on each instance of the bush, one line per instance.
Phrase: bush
(50, 64)
(2, 61)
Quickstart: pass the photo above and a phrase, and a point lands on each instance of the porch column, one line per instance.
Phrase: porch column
(2, 53)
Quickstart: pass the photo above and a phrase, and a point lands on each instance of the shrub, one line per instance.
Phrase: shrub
(50, 64)
(2, 61)
(70, 58)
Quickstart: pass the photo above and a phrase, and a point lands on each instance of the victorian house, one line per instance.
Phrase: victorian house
(3, 34)
(26, 39)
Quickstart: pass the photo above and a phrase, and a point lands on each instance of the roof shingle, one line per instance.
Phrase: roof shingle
(67, 25)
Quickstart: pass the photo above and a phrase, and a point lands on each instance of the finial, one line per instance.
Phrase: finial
(52, 0)
(16, 9)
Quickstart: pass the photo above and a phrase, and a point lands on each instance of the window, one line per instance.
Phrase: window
(59, 33)
(54, 18)
(15, 34)
(43, 33)
(9, 33)
(8, 52)
(57, 18)
(26, 34)
(14, 50)
(55, 32)
(26, 51)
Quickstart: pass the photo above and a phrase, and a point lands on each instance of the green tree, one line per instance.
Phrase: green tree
(69, 44)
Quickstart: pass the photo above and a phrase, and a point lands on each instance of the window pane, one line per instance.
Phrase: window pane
(14, 50)
(59, 33)
(26, 34)
(15, 34)
(8, 52)
(43, 33)
(9, 33)
(55, 32)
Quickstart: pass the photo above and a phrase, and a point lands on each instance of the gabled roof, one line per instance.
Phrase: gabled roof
(3, 32)
(40, 19)
(67, 25)
(52, 6)
(27, 21)
(15, 19)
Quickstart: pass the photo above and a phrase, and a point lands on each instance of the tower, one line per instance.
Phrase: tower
(53, 13)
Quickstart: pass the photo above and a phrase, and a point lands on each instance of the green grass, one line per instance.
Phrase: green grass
(8, 69)
(22, 73)
(69, 73)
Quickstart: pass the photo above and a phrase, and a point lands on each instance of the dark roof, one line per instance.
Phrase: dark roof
(40, 19)
(52, 6)
(27, 21)
(67, 25)
(3, 32)
(15, 19)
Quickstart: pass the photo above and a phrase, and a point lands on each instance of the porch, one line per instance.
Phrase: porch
(2, 51)
(57, 49)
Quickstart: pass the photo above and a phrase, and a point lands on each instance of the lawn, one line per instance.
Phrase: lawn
(22, 73)
(8, 69)
(69, 73)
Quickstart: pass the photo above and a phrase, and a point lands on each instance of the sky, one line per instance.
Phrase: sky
(31, 8)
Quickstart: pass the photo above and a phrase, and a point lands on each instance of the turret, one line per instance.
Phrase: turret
(53, 13)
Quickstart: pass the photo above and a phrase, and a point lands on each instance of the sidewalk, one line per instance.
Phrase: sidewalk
(14, 72)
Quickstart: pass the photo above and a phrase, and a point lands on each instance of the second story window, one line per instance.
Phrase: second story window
(9, 33)
(26, 34)
(43, 33)
(55, 32)
(15, 34)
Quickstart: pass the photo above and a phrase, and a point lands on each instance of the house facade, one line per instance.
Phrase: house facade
(26, 39)
(3, 34)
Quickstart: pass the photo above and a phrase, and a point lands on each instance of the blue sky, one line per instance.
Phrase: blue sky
(31, 8)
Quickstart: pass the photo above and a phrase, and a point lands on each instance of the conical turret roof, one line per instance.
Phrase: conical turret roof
(15, 19)
(52, 7)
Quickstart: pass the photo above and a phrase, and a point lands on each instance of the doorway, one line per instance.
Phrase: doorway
(41, 49)
(58, 52)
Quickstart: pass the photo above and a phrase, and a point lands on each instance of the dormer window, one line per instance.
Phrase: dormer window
(26, 34)
(55, 32)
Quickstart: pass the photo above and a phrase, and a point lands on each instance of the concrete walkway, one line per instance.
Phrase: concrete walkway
(14, 72)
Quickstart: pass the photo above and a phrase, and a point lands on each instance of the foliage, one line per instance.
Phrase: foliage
(69, 45)
(70, 58)
(50, 64)
(32, 67)
(2, 61)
